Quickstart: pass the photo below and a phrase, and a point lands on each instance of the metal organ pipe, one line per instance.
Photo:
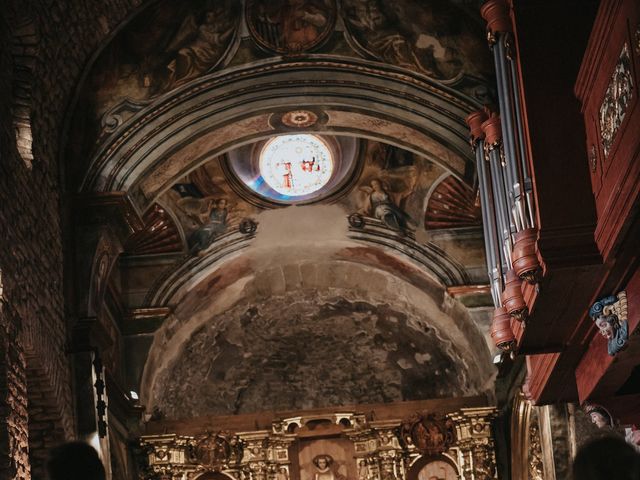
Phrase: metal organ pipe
(524, 168)
(505, 96)
(518, 188)
(493, 141)
(474, 120)
(511, 173)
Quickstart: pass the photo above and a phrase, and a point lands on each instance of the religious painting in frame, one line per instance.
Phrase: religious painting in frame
(327, 459)
(436, 467)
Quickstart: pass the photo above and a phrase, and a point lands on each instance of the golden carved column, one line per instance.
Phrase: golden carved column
(531, 449)
(168, 457)
(379, 454)
(255, 458)
(475, 442)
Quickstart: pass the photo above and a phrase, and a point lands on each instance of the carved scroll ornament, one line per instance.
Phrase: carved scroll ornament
(216, 451)
(430, 434)
(616, 100)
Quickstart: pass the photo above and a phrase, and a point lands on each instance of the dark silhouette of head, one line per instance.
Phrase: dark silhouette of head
(75, 461)
(606, 458)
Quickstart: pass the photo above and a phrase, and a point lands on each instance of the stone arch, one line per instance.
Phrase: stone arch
(208, 299)
(187, 127)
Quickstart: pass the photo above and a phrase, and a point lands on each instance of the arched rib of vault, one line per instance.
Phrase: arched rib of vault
(187, 127)
(254, 279)
(433, 261)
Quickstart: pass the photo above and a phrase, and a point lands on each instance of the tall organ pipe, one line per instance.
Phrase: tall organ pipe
(493, 142)
(507, 110)
(474, 120)
(518, 180)
(524, 168)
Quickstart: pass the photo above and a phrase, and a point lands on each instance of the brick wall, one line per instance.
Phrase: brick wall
(32, 247)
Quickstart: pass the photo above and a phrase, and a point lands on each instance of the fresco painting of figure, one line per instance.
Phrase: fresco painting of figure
(214, 224)
(175, 43)
(290, 26)
(197, 46)
(206, 207)
(436, 38)
(382, 203)
(389, 180)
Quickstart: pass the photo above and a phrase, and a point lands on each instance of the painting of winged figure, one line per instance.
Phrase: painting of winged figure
(206, 207)
(197, 46)
(211, 214)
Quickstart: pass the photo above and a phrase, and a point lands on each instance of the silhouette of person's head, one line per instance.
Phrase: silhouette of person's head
(606, 458)
(75, 461)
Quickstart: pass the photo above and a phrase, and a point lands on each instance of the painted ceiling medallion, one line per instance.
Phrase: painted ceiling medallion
(290, 26)
(299, 119)
(296, 165)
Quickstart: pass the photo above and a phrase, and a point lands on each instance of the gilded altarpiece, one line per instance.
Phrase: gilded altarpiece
(340, 446)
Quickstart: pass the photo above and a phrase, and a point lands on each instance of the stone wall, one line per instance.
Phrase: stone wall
(32, 255)
(14, 450)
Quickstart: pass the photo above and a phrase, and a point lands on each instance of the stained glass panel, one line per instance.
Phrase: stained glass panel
(296, 165)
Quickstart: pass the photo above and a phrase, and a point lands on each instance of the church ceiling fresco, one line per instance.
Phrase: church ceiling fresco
(435, 38)
(393, 190)
(171, 44)
(174, 115)
(290, 26)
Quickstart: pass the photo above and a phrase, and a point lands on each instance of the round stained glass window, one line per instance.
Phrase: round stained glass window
(296, 165)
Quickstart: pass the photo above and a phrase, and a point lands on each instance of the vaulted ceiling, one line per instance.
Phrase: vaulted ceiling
(236, 294)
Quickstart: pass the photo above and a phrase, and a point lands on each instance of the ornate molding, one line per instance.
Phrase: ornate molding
(380, 451)
(617, 99)
(536, 463)
(121, 151)
(443, 267)
(428, 433)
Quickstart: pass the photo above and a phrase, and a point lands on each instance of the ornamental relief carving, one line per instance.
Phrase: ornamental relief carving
(340, 446)
(617, 99)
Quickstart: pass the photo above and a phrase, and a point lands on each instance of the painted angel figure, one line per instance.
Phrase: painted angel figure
(197, 46)
(381, 203)
(213, 221)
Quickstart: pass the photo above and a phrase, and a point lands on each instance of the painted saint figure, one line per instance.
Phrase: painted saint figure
(324, 471)
(215, 224)
(198, 46)
(381, 205)
(287, 178)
